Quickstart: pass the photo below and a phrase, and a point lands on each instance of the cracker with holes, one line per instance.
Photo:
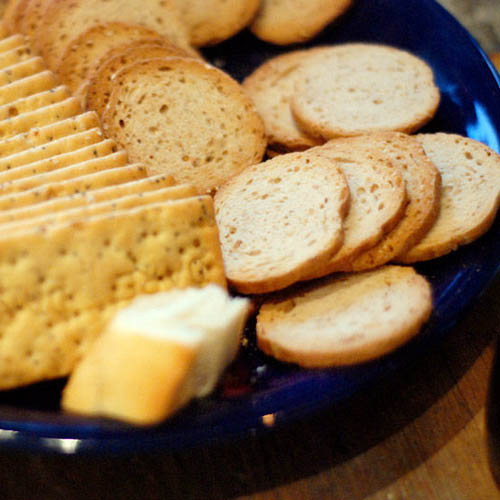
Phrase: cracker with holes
(100, 81)
(21, 70)
(45, 80)
(64, 21)
(15, 56)
(285, 22)
(470, 194)
(280, 220)
(345, 319)
(378, 201)
(360, 88)
(184, 118)
(212, 21)
(48, 321)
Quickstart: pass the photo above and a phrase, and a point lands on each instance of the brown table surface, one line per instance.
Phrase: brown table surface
(419, 435)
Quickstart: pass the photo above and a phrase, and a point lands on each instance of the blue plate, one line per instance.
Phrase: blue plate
(257, 391)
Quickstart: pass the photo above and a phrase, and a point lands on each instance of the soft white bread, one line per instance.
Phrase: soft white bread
(470, 194)
(280, 220)
(157, 354)
(346, 319)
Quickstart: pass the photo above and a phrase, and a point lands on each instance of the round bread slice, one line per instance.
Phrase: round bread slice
(92, 45)
(271, 87)
(63, 21)
(360, 88)
(280, 219)
(378, 201)
(290, 21)
(470, 194)
(346, 319)
(100, 79)
(212, 21)
(423, 186)
(31, 17)
(184, 118)
(11, 15)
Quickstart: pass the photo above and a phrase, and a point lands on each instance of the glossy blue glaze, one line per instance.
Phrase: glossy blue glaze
(259, 392)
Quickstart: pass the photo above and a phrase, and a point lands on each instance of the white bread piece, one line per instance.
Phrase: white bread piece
(345, 319)
(360, 88)
(378, 201)
(470, 194)
(280, 220)
(157, 354)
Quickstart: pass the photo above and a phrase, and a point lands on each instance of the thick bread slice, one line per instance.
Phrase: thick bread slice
(92, 45)
(271, 87)
(359, 88)
(15, 55)
(52, 149)
(73, 186)
(157, 354)
(212, 21)
(184, 118)
(110, 161)
(86, 198)
(423, 186)
(34, 102)
(100, 81)
(290, 21)
(346, 319)
(378, 201)
(63, 21)
(38, 136)
(59, 162)
(280, 220)
(470, 194)
(21, 70)
(100, 207)
(111, 259)
(39, 117)
(25, 87)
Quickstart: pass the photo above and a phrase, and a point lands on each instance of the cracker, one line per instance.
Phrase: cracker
(346, 319)
(11, 42)
(15, 55)
(38, 136)
(60, 161)
(290, 21)
(39, 117)
(470, 194)
(110, 161)
(27, 86)
(21, 70)
(359, 88)
(74, 186)
(111, 259)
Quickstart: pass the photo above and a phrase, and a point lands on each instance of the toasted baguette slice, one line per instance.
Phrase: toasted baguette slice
(280, 220)
(378, 201)
(59, 162)
(27, 86)
(470, 194)
(423, 186)
(64, 21)
(38, 136)
(345, 319)
(143, 115)
(51, 150)
(174, 347)
(11, 14)
(111, 259)
(86, 198)
(39, 117)
(16, 55)
(360, 88)
(291, 21)
(34, 102)
(109, 161)
(30, 18)
(212, 21)
(271, 87)
(73, 186)
(92, 45)
(100, 81)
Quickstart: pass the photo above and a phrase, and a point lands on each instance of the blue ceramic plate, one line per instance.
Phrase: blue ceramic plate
(258, 392)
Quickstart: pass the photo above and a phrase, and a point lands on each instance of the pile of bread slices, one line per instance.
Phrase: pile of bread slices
(130, 166)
